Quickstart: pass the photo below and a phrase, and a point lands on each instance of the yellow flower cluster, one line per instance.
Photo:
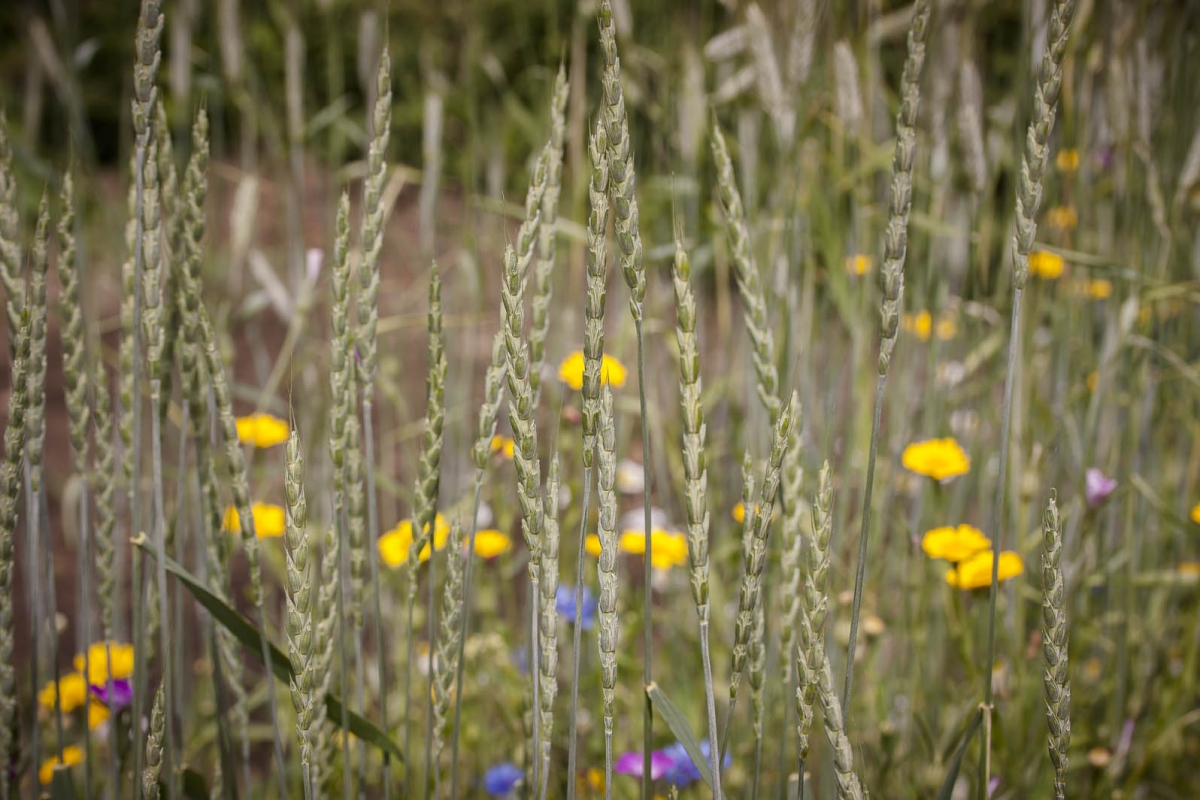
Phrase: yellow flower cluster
(262, 430)
(491, 543)
(71, 756)
(394, 545)
(921, 325)
(72, 690)
(1063, 218)
(270, 520)
(936, 458)
(667, 549)
(1045, 265)
(612, 371)
(502, 446)
(976, 571)
(858, 265)
(955, 544)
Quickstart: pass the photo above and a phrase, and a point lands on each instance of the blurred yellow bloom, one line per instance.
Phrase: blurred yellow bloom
(1062, 217)
(262, 430)
(1189, 569)
(97, 714)
(491, 543)
(502, 445)
(976, 572)
(666, 549)
(394, 545)
(270, 520)
(570, 371)
(97, 662)
(946, 328)
(739, 512)
(592, 545)
(1098, 288)
(936, 458)
(71, 755)
(955, 544)
(1047, 266)
(858, 264)
(1067, 160)
(1093, 379)
(1196, 513)
(72, 692)
(921, 325)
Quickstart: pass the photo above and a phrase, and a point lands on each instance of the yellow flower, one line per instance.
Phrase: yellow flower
(394, 545)
(946, 328)
(97, 662)
(97, 714)
(1189, 569)
(666, 549)
(976, 572)
(1196, 513)
(936, 458)
(1067, 160)
(592, 545)
(491, 543)
(1062, 217)
(72, 692)
(262, 430)
(1093, 378)
(1045, 265)
(570, 371)
(270, 520)
(502, 445)
(858, 265)
(920, 324)
(71, 755)
(1098, 288)
(955, 544)
(739, 512)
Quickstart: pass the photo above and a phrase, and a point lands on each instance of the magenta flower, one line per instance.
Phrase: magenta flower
(1097, 487)
(631, 764)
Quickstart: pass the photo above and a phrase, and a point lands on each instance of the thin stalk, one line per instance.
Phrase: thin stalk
(431, 637)
(51, 615)
(534, 669)
(343, 664)
(160, 557)
(373, 546)
(647, 623)
(85, 620)
(462, 640)
(135, 411)
(573, 725)
(410, 657)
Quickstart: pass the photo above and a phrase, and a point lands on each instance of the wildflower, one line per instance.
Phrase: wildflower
(97, 715)
(394, 545)
(592, 545)
(269, 520)
(70, 691)
(631, 477)
(955, 544)
(976, 572)
(738, 512)
(1097, 487)
(1062, 217)
(921, 325)
(71, 755)
(1067, 160)
(502, 445)
(1046, 265)
(936, 458)
(631, 764)
(858, 265)
(1196, 513)
(666, 549)
(1098, 288)
(593, 780)
(1189, 569)
(262, 430)
(97, 662)
(502, 780)
(683, 772)
(564, 603)
(122, 694)
(1093, 379)
(491, 543)
(570, 371)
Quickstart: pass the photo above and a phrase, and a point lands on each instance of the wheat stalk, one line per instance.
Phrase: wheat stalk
(299, 616)
(606, 529)
(1029, 198)
(895, 249)
(812, 613)
(1055, 632)
(449, 643)
(791, 566)
(10, 242)
(154, 748)
(548, 629)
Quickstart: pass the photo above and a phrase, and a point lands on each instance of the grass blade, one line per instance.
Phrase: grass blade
(679, 726)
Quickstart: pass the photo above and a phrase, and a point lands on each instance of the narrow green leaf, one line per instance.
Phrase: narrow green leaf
(248, 635)
(947, 789)
(679, 726)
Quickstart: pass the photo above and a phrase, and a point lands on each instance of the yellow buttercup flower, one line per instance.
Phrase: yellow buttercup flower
(491, 543)
(591, 545)
(502, 445)
(976, 572)
(71, 755)
(1196, 513)
(1046, 265)
(666, 549)
(1098, 288)
(270, 520)
(394, 545)
(955, 544)
(936, 458)
(97, 715)
(71, 690)
(262, 430)
(97, 662)
(858, 265)
(1063, 218)
(1067, 160)
(612, 371)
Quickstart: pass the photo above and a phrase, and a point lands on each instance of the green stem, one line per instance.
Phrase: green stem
(343, 668)
(466, 626)
(163, 605)
(711, 702)
(139, 663)
(647, 623)
(431, 637)
(576, 653)
(373, 545)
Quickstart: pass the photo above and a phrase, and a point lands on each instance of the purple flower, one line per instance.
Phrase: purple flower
(683, 771)
(631, 764)
(122, 694)
(502, 779)
(564, 602)
(1097, 487)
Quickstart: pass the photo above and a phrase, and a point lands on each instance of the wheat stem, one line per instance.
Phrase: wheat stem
(1055, 632)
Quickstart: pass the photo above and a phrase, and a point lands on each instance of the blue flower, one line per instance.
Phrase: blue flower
(683, 771)
(564, 601)
(502, 779)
